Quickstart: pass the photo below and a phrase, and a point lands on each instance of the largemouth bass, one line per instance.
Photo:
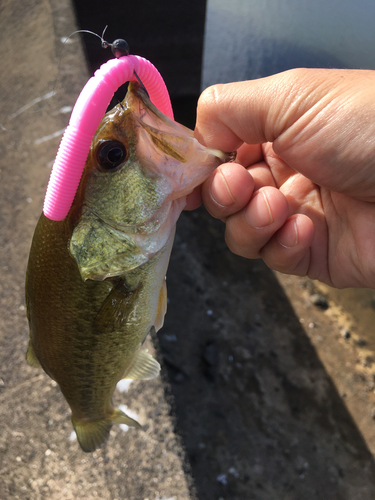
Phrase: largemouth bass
(95, 283)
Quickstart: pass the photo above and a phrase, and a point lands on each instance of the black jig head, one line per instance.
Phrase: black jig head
(119, 47)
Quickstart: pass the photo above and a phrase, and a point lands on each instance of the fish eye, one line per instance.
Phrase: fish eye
(111, 154)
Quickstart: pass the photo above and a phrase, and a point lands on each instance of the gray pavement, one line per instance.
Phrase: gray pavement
(38, 458)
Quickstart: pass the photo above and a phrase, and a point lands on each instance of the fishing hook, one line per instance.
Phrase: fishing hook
(141, 83)
(119, 47)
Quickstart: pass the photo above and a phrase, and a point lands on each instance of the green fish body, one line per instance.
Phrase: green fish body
(95, 283)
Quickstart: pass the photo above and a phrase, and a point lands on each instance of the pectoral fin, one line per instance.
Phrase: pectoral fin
(31, 358)
(144, 367)
(116, 308)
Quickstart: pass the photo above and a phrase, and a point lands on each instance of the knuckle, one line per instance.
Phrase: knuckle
(210, 97)
(240, 243)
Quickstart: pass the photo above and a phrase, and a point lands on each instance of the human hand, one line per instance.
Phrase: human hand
(301, 194)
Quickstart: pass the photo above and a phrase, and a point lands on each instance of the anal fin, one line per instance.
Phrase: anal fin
(119, 417)
(144, 367)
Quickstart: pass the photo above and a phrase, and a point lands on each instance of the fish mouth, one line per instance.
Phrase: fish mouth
(169, 163)
(174, 151)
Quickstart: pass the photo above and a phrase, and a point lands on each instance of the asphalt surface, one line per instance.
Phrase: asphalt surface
(267, 387)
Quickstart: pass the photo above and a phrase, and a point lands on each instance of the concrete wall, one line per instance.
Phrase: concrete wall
(251, 38)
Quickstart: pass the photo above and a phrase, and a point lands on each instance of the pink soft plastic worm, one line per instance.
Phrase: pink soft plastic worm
(88, 111)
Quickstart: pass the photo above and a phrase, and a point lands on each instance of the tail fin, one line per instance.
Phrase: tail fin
(91, 435)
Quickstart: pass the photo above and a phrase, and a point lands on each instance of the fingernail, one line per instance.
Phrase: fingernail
(220, 191)
(288, 234)
(259, 213)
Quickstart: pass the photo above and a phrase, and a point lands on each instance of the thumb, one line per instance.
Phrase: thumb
(258, 111)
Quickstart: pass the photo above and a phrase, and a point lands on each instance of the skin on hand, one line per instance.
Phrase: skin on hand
(301, 194)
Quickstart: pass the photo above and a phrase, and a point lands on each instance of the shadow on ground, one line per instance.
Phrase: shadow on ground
(258, 415)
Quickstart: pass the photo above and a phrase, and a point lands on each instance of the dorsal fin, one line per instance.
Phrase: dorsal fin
(31, 358)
